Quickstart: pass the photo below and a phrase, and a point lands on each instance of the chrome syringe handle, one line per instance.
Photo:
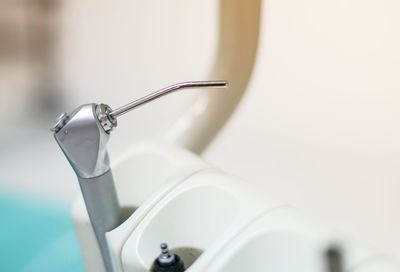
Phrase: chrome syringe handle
(83, 140)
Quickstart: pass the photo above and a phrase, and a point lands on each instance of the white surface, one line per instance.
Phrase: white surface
(143, 176)
(377, 265)
(205, 210)
(320, 124)
(285, 240)
(215, 221)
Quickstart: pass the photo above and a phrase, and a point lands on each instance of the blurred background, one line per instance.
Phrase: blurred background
(318, 127)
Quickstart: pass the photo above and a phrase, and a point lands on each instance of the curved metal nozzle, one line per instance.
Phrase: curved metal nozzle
(178, 86)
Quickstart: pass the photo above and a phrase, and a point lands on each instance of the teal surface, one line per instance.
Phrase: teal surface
(37, 236)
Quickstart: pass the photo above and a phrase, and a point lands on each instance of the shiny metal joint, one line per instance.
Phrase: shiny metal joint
(106, 120)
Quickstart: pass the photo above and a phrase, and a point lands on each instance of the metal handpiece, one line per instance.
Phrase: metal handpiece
(83, 135)
(83, 140)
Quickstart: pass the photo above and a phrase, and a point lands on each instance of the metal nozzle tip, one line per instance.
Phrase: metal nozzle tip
(182, 85)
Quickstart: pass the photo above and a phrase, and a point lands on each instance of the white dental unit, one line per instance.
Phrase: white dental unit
(211, 220)
(161, 191)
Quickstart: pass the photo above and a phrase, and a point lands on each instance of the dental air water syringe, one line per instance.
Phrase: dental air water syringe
(83, 135)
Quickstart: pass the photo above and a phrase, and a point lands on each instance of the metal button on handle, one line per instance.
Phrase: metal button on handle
(59, 122)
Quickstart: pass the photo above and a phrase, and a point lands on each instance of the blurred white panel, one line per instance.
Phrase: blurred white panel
(320, 124)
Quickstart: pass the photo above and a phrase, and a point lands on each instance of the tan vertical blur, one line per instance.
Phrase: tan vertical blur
(28, 65)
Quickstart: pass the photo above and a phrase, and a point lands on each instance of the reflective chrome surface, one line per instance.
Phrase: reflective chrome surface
(103, 114)
(83, 141)
(168, 90)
